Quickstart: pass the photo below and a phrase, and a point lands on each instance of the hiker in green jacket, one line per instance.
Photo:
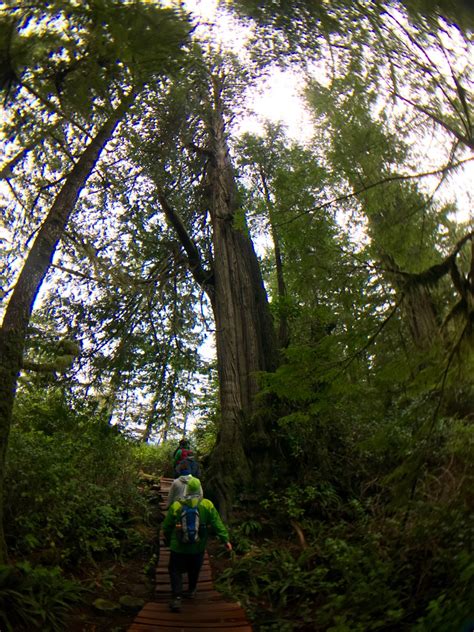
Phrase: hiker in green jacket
(185, 531)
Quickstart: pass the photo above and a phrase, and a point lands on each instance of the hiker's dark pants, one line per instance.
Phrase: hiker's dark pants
(180, 563)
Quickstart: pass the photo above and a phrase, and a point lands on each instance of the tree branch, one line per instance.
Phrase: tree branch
(436, 272)
(469, 142)
(203, 277)
(372, 338)
(372, 185)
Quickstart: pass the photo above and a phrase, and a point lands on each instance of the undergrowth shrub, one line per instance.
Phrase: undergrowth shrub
(154, 458)
(333, 581)
(35, 598)
(353, 570)
(71, 488)
(68, 497)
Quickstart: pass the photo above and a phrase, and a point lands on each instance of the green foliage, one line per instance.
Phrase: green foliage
(356, 571)
(35, 598)
(205, 432)
(150, 566)
(72, 485)
(296, 501)
(314, 416)
(365, 523)
(250, 527)
(107, 45)
(382, 496)
(372, 561)
(458, 13)
(442, 613)
(45, 411)
(243, 534)
(314, 585)
(153, 458)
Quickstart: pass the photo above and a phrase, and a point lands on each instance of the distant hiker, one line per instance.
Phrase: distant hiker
(183, 444)
(182, 453)
(185, 531)
(179, 486)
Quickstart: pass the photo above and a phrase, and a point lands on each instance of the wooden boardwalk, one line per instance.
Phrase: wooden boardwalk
(208, 611)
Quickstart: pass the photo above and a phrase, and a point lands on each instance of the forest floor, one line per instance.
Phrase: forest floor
(114, 580)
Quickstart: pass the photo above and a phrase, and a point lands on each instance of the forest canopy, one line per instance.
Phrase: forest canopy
(302, 308)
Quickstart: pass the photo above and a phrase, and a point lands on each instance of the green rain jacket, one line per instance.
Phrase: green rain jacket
(208, 516)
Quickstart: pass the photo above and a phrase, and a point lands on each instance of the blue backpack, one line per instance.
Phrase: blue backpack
(193, 467)
(188, 526)
(190, 466)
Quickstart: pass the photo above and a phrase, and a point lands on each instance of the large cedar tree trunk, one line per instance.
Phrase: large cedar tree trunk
(245, 337)
(18, 312)
(421, 317)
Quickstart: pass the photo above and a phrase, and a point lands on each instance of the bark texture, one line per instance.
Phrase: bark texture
(245, 337)
(421, 317)
(246, 342)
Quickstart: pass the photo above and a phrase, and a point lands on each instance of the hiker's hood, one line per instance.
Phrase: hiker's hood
(194, 486)
(184, 478)
(193, 492)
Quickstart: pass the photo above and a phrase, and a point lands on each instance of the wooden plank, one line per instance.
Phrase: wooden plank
(162, 627)
(191, 624)
(198, 609)
(217, 615)
(188, 613)
(210, 596)
(164, 578)
(144, 627)
(165, 586)
(163, 582)
(163, 570)
(206, 572)
(183, 618)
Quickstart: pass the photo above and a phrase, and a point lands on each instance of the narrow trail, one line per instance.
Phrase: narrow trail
(208, 611)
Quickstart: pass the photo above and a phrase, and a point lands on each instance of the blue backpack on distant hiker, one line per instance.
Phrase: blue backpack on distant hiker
(192, 466)
(183, 460)
(187, 465)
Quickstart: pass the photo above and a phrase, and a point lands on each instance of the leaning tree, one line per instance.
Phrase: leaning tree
(69, 74)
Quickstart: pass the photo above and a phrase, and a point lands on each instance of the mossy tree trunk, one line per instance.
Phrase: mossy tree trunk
(20, 306)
